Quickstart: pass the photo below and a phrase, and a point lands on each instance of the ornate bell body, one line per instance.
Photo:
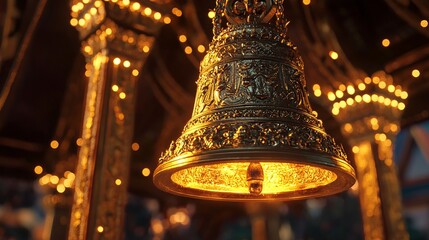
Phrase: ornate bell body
(252, 135)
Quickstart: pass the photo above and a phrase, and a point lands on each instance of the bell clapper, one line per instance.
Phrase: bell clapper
(255, 178)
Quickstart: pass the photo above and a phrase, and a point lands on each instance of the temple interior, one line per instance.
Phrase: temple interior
(93, 92)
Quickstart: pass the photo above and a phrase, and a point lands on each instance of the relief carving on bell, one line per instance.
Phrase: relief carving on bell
(252, 108)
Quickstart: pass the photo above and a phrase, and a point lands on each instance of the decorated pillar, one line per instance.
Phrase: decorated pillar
(116, 39)
(369, 112)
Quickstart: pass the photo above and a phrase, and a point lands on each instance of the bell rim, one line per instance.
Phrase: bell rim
(345, 173)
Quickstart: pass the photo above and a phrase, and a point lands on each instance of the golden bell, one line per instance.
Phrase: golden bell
(252, 135)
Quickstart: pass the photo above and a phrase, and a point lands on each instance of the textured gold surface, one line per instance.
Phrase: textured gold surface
(231, 177)
(369, 192)
(251, 106)
(108, 122)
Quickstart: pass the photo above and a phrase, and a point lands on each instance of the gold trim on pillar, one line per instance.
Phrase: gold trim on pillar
(369, 192)
(114, 57)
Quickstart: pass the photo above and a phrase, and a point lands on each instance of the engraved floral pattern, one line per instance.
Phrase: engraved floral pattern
(254, 134)
(252, 93)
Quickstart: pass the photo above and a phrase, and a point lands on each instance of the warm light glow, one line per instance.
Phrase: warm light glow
(350, 89)
(358, 98)
(391, 88)
(54, 179)
(333, 55)
(375, 80)
(401, 106)
(188, 50)
(388, 142)
(97, 3)
(339, 94)
(122, 95)
(87, 49)
(44, 180)
(54, 144)
(343, 104)
(147, 11)
(393, 127)
(127, 64)
(348, 128)
(242, 150)
(382, 137)
(118, 182)
(130, 40)
(415, 73)
(61, 188)
(146, 49)
(335, 111)
(135, 147)
(423, 23)
(201, 48)
(374, 121)
(180, 217)
(135, 6)
(157, 226)
(367, 80)
(93, 11)
(404, 95)
(68, 183)
(317, 93)
(316, 87)
(342, 87)
(73, 22)
(331, 96)
(366, 98)
(38, 169)
(79, 6)
(167, 20)
(157, 16)
(306, 2)
(75, 8)
(369, 189)
(115, 88)
(146, 172)
(382, 85)
(135, 72)
(177, 12)
(211, 14)
(361, 86)
(108, 31)
(398, 92)
(100, 229)
(231, 177)
(116, 61)
(70, 176)
(387, 101)
(385, 42)
(350, 101)
(182, 38)
(355, 149)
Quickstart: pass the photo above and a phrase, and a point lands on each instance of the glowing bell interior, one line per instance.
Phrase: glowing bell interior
(252, 135)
